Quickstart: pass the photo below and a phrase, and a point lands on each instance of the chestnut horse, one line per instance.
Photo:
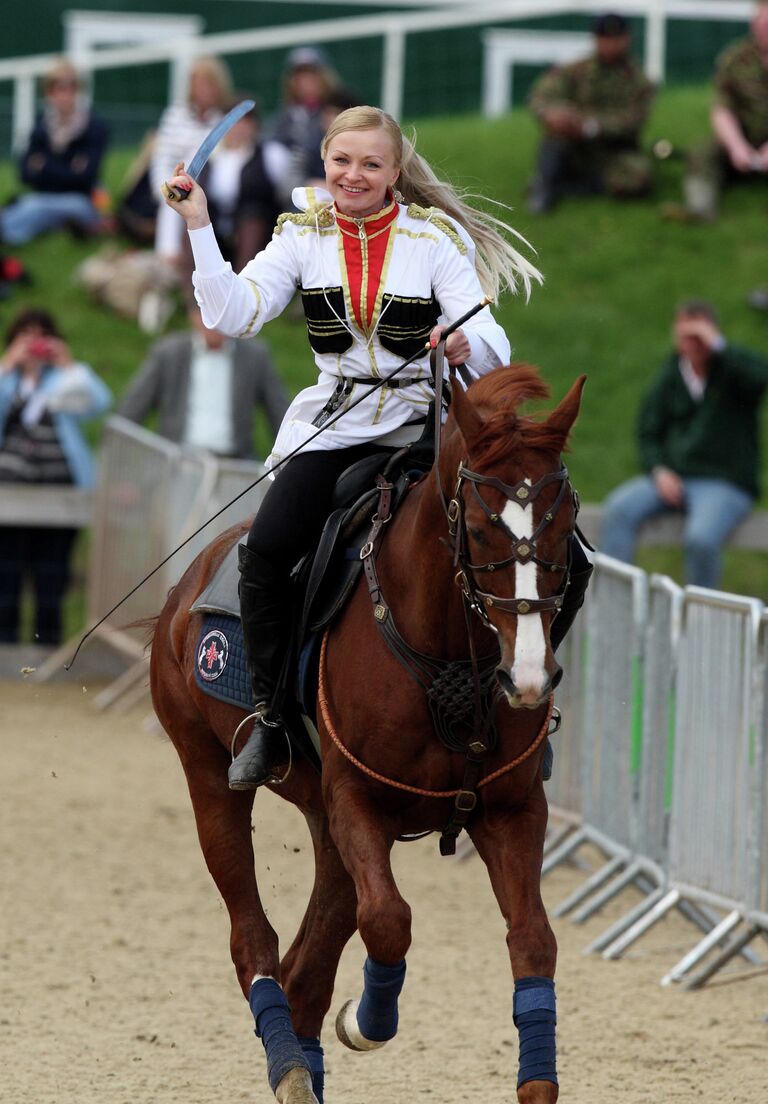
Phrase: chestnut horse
(496, 508)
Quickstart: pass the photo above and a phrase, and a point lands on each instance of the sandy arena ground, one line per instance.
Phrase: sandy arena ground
(117, 986)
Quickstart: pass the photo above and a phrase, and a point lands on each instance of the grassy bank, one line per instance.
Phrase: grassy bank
(613, 273)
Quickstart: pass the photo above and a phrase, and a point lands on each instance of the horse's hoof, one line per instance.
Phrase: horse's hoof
(537, 1092)
(296, 1088)
(348, 1031)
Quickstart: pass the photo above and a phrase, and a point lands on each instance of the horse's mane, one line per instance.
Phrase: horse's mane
(497, 397)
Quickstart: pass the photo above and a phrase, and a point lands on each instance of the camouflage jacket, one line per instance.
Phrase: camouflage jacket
(741, 85)
(617, 96)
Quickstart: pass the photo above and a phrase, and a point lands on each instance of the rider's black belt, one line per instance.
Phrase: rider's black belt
(343, 390)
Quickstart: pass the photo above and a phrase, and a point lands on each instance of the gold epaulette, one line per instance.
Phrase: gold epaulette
(439, 219)
(313, 216)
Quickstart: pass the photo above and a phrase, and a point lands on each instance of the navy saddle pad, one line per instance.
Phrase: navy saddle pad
(222, 672)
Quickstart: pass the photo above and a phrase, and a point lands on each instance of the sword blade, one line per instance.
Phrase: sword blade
(207, 146)
(212, 139)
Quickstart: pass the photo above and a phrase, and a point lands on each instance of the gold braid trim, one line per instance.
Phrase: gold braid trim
(437, 218)
(314, 216)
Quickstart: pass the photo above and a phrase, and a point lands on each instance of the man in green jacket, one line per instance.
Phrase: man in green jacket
(698, 433)
(592, 113)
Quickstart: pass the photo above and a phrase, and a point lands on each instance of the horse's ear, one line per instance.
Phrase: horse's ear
(565, 413)
(465, 412)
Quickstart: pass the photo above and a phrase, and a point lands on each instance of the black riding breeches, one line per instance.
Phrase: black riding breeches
(294, 509)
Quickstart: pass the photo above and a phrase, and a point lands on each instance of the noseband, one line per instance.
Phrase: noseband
(523, 549)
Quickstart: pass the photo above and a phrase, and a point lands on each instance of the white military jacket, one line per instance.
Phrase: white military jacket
(372, 290)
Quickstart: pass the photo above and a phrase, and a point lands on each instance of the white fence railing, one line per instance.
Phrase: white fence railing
(393, 28)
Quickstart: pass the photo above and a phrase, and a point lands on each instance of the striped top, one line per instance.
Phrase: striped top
(31, 453)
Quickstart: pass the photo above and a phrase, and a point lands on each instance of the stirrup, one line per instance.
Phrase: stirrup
(258, 715)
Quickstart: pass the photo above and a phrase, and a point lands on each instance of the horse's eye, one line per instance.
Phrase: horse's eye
(477, 535)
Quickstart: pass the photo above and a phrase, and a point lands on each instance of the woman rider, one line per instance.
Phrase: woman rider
(381, 260)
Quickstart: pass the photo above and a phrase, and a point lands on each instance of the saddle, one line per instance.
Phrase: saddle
(323, 582)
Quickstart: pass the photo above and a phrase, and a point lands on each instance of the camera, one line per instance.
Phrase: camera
(40, 347)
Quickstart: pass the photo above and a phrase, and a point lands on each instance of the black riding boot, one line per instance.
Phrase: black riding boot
(265, 611)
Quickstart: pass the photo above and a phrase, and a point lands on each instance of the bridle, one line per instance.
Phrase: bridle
(523, 549)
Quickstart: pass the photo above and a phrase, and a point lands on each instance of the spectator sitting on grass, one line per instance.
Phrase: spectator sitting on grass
(240, 180)
(299, 127)
(60, 165)
(738, 151)
(181, 129)
(699, 445)
(592, 112)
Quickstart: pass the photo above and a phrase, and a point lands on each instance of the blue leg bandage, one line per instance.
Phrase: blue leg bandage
(313, 1052)
(535, 1016)
(377, 1011)
(274, 1028)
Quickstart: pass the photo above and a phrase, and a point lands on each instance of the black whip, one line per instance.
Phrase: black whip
(446, 332)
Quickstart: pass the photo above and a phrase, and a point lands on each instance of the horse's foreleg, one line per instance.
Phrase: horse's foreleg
(383, 917)
(308, 969)
(223, 821)
(511, 845)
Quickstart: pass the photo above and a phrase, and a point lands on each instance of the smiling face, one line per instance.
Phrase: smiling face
(360, 166)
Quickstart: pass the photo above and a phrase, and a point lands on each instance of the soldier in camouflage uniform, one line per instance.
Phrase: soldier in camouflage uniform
(739, 149)
(592, 112)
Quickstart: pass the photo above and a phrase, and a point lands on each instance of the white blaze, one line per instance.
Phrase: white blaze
(528, 671)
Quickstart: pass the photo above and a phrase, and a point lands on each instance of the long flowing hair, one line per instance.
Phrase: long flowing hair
(498, 263)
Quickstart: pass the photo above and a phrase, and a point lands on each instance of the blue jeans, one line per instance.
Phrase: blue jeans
(713, 508)
(35, 213)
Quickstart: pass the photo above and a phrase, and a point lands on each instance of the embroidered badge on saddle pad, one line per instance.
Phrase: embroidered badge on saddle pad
(220, 667)
(212, 655)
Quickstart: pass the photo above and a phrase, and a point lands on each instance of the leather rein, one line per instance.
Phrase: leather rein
(478, 672)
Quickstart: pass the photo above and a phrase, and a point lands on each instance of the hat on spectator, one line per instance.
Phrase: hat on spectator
(610, 25)
(306, 57)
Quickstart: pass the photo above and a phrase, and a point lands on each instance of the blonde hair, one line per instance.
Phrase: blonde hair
(62, 69)
(217, 72)
(498, 263)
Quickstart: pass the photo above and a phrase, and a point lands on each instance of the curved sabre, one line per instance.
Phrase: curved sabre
(207, 146)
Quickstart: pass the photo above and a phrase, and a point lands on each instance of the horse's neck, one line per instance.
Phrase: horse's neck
(417, 574)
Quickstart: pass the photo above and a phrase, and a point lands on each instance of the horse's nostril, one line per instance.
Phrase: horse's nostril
(555, 681)
(505, 681)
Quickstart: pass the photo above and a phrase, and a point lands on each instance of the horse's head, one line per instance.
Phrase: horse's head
(512, 513)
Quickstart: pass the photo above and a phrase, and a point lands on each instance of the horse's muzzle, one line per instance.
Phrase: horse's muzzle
(528, 697)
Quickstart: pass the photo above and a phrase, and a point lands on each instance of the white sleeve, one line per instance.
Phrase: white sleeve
(239, 305)
(457, 289)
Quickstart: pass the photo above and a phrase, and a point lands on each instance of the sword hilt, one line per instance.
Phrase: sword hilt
(173, 195)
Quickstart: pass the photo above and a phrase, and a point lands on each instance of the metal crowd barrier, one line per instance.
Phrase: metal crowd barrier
(151, 496)
(651, 761)
(675, 778)
(564, 787)
(612, 730)
(719, 786)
